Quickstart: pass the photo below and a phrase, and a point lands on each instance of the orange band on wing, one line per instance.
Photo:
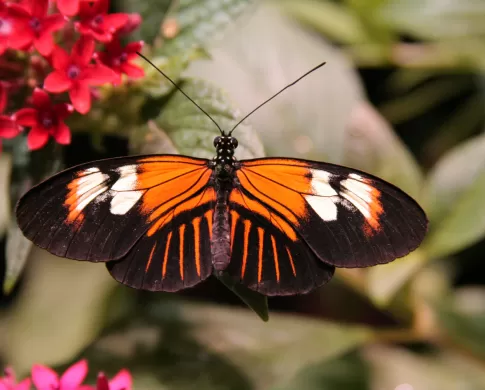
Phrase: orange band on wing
(238, 197)
(207, 196)
(181, 251)
(276, 261)
(247, 228)
(197, 243)
(291, 261)
(260, 253)
(150, 258)
(165, 256)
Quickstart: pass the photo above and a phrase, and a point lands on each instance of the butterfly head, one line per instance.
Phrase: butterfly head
(225, 146)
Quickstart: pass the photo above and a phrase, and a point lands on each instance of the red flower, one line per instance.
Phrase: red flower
(45, 378)
(10, 383)
(9, 28)
(8, 129)
(3, 96)
(120, 59)
(69, 7)
(96, 22)
(121, 381)
(45, 119)
(38, 27)
(75, 74)
(134, 20)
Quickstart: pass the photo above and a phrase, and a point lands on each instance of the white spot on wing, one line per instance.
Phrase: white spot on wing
(122, 202)
(360, 189)
(88, 196)
(89, 186)
(320, 183)
(127, 180)
(359, 203)
(325, 207)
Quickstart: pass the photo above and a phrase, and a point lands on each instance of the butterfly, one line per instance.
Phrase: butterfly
(279, 226)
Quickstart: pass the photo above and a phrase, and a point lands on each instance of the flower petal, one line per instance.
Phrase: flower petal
(8, 128)
(62, 135)
(56, 82)
(113, 22)
(68, 7)
(41, 98)
(53, 23)
(121, 381)
(132, 71)
(2, 385)
(102, 382)
(63, 110)
(133, 47)
(99, 74)
(36, 139)
(26, 117)
(74, 375)
(24, 385)
(60, 58)
(83, 50)
(43, 377)
(39, 8)
(3, 96)
(44, 44)
(81, 97)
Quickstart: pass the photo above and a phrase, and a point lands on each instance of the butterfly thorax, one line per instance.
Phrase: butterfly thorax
(224, 175)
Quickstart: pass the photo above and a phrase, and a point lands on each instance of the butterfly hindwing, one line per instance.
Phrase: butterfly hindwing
(98, 211)
(348, 218)
(174, 255)
(264, 257)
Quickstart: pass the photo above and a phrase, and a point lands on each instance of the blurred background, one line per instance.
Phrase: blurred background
(402, 96)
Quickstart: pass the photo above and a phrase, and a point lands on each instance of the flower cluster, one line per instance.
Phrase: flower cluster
(44, 378)
(59, 52)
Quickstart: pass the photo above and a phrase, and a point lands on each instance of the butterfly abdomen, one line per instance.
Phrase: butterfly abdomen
(221, 235)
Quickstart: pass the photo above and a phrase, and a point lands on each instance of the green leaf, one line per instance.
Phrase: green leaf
(455, 193)
(255, 301)
(60, 310)
(385, 280)
(192, 133)
(462, 317)
(392, 367)
(198, 21)
(333, 20)
(17, 251)
(270, 353)
(152, 16)
(310, 119)
(349, 372)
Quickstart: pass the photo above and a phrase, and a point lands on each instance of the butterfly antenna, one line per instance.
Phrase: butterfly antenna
(276, 94)
(180, 89)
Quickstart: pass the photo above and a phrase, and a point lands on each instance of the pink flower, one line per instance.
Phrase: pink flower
(9, 382)
(121, 381)
(96, 22)
(38, 27)
(45, 119)
(45, 378)
(120, 59)
(75, 73)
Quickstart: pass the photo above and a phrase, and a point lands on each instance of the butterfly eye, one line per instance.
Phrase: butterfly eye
(217, 141)
(234, 143)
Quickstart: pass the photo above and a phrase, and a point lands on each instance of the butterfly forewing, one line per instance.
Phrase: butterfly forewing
(100, 210)
(348, 218)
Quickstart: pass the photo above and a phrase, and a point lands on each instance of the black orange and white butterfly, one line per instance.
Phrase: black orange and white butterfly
(280, 226)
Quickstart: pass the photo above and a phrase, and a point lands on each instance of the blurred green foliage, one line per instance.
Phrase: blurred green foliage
(405, 322)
